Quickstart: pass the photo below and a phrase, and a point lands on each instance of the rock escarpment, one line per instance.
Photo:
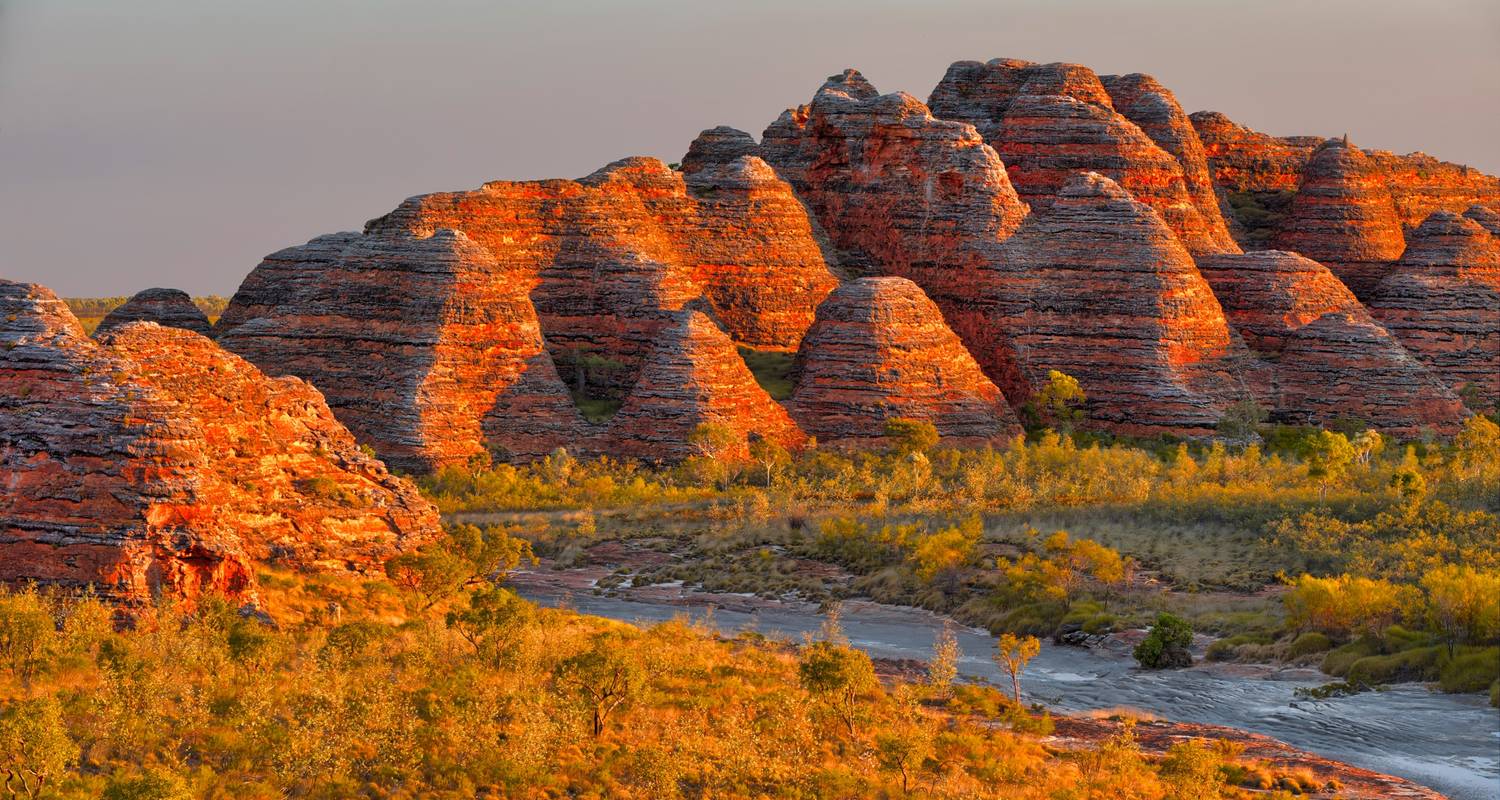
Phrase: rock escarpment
(899, 192)
(880, 350)
(695, 377)
(1326, 357)
(1442, 300)
(613, 255)
(1343, 216)
(1100, 289)
(155, 463)
(170, 307)
(1049, 122)
(426, 348)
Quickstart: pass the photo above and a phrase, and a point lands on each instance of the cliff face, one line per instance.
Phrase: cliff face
(1325, 357)
(694, 376)
(426, 348)
(1099, 288)
(1049, 122)
(1343, 216)
(609, 258)
(900, 192)
(880, 350)
(1442, 300)
(155, 463)
(170, 307)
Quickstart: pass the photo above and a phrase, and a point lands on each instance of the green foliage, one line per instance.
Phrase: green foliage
(468, 556)
(839, 677)
(907, 436)
(604, 678)
(1058, 404)
(1166, 644)
(35, 747)
(772, 370)
(1308, 644)
(1242, 419)
(151, 785)
(1472, 671)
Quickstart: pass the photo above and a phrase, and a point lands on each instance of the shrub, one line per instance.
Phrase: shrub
(1339, 660)
(1418, 664)
(1308, 644)
(1471, 671)
(1227, 649)
(1166, 646)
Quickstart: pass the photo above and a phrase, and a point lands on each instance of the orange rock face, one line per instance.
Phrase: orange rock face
(426, 348)
(155, 463)
(170, 307)
(1049, 122)
(1245, 160)
(1099, 288)
(611, 256)
(1325, 357)
(899, 192)
(1442, 300)
(694, 376)
(880, 350)
(1343, 216)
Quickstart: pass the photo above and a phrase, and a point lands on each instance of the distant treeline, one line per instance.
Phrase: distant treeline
(87, 307)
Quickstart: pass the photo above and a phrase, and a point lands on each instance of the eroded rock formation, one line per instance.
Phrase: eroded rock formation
(1049, 122)
(880, 350)
(1442, 300)
(1343, 216)
(694, 377)
(613, 255)
(899, 192)
(154, 462)
(426, 348)
(1326, 358)
(170, 307)
(1099, 288)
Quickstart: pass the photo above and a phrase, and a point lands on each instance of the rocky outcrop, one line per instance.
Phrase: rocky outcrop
(899, 192)
(1049, 122)
(170, 307)
(1099, 288)
(695, 377)
(1144, 101)
(1326, 359)
(609, 258)
(880, 350)
(1343, 217)
(1487, 218)
(716, 147)
(1257, 173)
(1442, 300)
(154, 463)
(426, 348)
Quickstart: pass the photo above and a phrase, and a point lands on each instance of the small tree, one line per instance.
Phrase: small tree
(1013, 654)
(1241, 420)
(1167, 644)
(603, 678)
(911, 435)
(467, 557)
(1059, 403)
(491, 621)
(771, 456)
(943, 668)
(905, 745)
(1328, 456)
(34, 746)
(838, 676)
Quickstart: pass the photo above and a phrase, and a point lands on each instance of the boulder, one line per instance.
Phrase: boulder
(170, 307)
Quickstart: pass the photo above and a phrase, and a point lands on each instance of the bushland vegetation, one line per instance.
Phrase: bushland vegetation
(90, 311)
(1054, 531)
(440, 682)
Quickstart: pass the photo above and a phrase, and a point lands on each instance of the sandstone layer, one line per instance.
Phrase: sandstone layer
(1326, 357)
(1343, 216)
(154, 463)
(170, 307)
(695, 377)
(1049, 122)
(900, 192)
(1099, 288)
(426, 348)
(1442, 300)
(609, 258)
(880, 350)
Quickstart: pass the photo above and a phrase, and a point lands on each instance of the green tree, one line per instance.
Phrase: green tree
(1192, 771)
(34, 746)
(1012, 654)
(910, 435)
(1328, 456)
(1059, 403)
(27, 632)
(771, 457)
(839, 677)
(1167, 644)
(492, 621)
(604, 678)
(1463, 603)
(467, 557)
(1241, 420)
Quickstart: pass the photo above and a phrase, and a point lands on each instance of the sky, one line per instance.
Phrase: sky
(176, 142)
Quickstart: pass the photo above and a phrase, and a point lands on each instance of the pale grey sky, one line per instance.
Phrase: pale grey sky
(175, 142)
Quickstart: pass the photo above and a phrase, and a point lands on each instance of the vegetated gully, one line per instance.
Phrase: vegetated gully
(1448, 742)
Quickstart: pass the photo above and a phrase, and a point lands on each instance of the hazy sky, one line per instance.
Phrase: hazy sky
(175, 142)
